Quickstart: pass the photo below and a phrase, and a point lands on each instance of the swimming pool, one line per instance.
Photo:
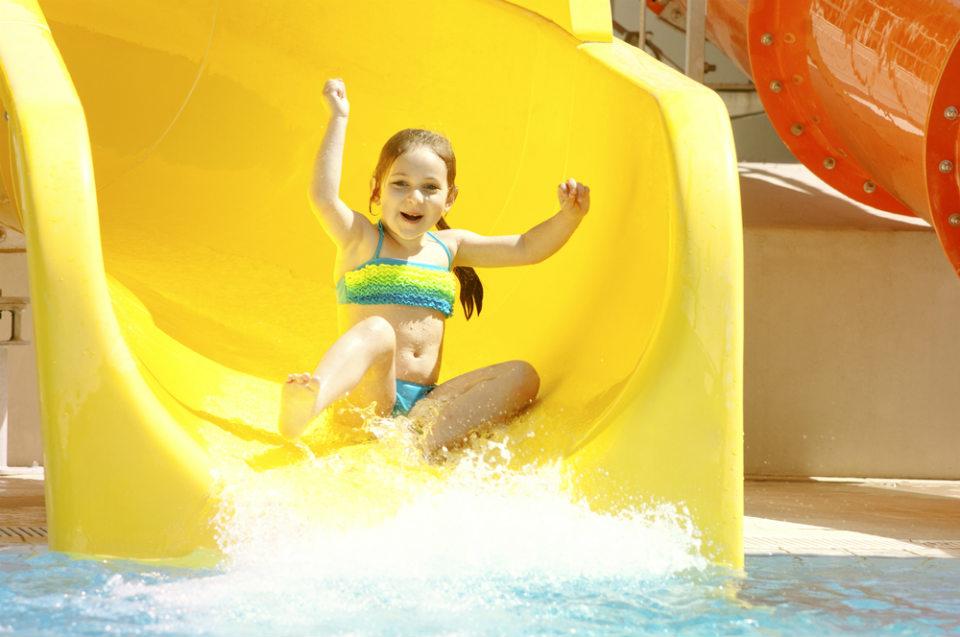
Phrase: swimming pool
(47, 593)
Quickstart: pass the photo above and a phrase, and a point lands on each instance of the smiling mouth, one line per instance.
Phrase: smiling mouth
(410, 217)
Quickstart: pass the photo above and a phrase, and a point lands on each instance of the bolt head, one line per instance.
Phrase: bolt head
(954, 219)
(797, 129)
(776, 86)
(951, 112)
(766, 39)
(829, 163)
(869, 187)
(946, 166)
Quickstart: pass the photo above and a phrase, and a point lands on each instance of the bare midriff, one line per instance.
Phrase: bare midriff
(419, 337)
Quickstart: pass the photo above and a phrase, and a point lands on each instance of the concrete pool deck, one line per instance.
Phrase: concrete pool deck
(840, 516)
(817, 516)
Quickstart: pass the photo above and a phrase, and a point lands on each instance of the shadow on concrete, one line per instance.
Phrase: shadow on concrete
(914, 511)
(789, 195)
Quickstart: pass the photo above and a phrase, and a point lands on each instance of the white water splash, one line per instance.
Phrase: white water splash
(481, 520)
(481, 546)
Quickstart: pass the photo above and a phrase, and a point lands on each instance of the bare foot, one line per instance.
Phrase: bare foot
(296, 404)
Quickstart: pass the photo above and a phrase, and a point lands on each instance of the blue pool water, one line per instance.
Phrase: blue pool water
(47, 593)
(485, 551)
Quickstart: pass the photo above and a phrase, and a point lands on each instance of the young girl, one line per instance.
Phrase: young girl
(395, 289)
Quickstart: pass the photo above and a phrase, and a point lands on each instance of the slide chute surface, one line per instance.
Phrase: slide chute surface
(160, 156)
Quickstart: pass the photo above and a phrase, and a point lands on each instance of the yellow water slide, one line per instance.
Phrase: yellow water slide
(159, 160)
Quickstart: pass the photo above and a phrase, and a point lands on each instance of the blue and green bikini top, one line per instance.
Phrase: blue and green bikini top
(385, 281)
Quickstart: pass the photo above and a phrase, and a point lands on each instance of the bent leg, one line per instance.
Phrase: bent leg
(477, 400)
(359, 365)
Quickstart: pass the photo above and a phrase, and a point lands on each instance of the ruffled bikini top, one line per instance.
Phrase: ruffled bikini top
(386, 281)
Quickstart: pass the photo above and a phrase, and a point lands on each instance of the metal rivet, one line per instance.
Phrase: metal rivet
(951, 112)
(797, 129)
(766, 39)
(869, 186)
(829, 163)
(776, 86)
(946, 166)
(954, 219)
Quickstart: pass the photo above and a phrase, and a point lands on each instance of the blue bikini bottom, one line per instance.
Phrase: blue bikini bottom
(408, 394)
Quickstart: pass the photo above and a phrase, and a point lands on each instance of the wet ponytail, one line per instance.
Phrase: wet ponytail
(471, 289)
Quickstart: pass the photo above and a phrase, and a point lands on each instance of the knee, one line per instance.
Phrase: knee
(525, 376)
(378, 333)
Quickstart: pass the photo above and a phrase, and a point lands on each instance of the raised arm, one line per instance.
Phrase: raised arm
(340, 222)
(534, 245)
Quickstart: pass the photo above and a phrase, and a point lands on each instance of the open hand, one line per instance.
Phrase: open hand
(574, 197)
(336, 93)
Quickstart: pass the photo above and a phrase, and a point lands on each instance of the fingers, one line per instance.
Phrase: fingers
(576, 191)
(336, 86)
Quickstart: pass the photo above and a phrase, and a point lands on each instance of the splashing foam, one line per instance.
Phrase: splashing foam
(372, 540)
(382, 513)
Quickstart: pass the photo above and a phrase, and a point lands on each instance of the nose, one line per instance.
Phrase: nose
(417, 196)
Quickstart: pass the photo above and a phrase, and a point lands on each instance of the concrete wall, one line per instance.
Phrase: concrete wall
(852, 344)
(24, 442)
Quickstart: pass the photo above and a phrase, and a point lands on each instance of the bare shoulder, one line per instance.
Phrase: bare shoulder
(453, 238)
(362, 249)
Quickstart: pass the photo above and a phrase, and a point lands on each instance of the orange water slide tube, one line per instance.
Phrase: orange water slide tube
(866, 93)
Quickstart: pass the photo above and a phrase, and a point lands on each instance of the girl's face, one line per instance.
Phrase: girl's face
(414, 193)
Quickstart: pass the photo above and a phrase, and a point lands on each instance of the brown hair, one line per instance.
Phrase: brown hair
(471, 290)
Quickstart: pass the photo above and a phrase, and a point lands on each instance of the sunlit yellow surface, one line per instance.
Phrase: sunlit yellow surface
(172, 295)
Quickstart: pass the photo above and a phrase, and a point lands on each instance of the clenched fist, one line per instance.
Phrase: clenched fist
(574, 197)
(336, 93)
